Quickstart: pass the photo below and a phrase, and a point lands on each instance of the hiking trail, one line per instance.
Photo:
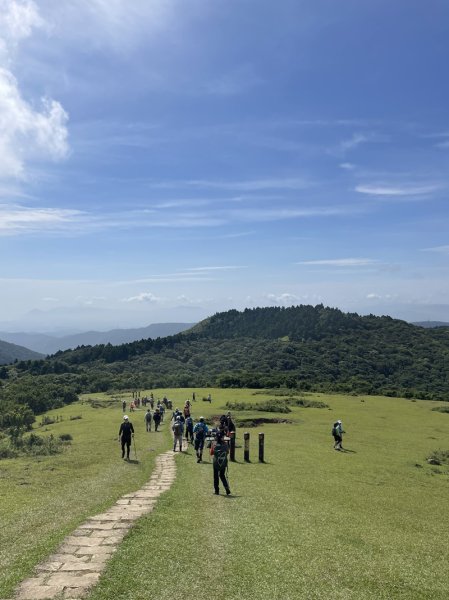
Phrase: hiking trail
(78, 563)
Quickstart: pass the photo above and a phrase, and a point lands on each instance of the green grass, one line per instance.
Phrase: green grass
(311, 523)
(43, 499)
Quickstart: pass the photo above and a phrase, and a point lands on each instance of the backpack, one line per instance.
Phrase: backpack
(177, 429)
(148, 417)
(200, 433)
(220, 456)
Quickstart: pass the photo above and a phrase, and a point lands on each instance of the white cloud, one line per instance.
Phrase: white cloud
(441, 249)
(284, 183)
(20, 219)
(221, 268)
(285, 299)
(392, 190)
(143, 297)
(341, 262)
(26, 134)
(347, 166)
(17, 20)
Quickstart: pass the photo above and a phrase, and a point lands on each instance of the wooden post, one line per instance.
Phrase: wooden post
(261, 446)
(232, 445)
(246, 450)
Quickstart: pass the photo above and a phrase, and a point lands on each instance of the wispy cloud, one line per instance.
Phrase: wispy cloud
(341, 262)
(397, 190)
(440, 249)
(20, 219)
(347, 166)
(219, 268)
(280, 183)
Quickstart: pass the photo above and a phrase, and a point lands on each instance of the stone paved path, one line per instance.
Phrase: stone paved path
(78, 563)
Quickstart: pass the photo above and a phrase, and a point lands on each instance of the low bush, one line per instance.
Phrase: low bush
(439, 457)
(267, 406)
(441, 409)
(75, 417)
(47, 421)
(65, 437)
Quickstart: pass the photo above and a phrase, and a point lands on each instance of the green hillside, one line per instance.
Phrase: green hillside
(304, 347)
(11, 352)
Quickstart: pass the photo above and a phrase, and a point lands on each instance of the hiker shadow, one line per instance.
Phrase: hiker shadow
(132, 461)
(348, 451)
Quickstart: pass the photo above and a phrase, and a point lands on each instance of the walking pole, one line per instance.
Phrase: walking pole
(135, 451)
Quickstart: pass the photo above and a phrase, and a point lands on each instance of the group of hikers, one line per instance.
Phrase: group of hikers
(183, 427)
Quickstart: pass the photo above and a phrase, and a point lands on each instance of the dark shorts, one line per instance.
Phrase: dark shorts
(199, 443)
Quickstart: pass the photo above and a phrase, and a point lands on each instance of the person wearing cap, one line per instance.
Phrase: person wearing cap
(337, 432)
(200, 431)
(125, 434)
(177, 429)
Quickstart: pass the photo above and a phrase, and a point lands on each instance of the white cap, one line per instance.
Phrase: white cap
(125, 417)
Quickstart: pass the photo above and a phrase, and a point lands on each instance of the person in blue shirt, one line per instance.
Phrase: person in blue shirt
(200, 431)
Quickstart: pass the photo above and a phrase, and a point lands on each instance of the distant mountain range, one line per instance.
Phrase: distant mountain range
(431, 324)
(44, 343)
(10, 352)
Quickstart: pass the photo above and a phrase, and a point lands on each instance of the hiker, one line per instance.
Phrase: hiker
(124, 405)
(162, 411)
(189, 429)
(337, 432)
(125, 434)
(148, 419)
(193, 397)
(177, 429)
(229, 423)
(187, 409)
(209, 399)
(156, 419)
(200, 431)
(151, 400)
(131, 406)
(219, 450)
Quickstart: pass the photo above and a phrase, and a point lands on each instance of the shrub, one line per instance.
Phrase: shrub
(75, 417)
(65, 437)
(47, 421)
(441, 409)
(439, 457)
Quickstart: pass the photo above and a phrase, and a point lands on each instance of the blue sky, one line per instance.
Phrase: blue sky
(166, 159)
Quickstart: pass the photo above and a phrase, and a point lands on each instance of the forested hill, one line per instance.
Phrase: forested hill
(298, 323)
(11, 352)
(303, 347)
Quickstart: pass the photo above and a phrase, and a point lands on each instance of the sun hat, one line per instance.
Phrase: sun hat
(125, 417)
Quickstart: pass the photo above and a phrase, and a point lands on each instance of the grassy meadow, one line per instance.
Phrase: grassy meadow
(310, 523)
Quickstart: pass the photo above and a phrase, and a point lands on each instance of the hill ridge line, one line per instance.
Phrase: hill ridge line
(76, 566)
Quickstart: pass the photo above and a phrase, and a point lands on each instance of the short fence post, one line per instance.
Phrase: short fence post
(246, 450)
(261, 446)
(232, 445)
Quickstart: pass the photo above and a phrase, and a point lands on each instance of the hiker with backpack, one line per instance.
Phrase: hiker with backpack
(177, 429)
(125, 434)
(337, 433)
(200, 432)
(124, 405)
(219, 450)
(156, 419)
(189, 429)
(148, 419)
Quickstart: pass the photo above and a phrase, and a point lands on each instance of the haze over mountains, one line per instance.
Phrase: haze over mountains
(45, 343)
